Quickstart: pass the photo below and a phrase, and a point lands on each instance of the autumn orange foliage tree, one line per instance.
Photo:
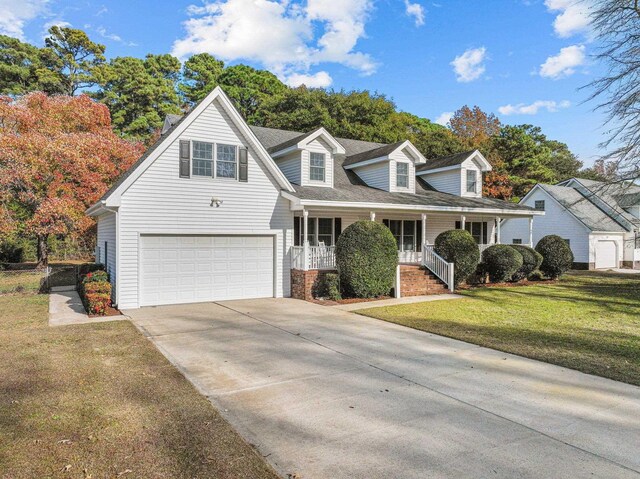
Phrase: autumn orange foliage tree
(58, 155)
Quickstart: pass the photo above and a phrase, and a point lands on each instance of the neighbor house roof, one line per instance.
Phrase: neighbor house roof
(582, 208)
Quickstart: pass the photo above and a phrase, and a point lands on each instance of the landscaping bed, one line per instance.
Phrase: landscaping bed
(589, 321)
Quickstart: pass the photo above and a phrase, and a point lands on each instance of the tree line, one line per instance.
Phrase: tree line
(48, 140)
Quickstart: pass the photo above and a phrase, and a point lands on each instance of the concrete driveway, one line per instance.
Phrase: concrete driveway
(324, 393)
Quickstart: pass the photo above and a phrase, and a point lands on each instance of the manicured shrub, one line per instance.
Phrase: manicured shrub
(85, 268)
(97, 303)
(367, 257)
(536, 276)
(95, 276)
(531, 261)
(94, 287)
(500, 262)
(329, 287)
(557, 257)
(458, 247)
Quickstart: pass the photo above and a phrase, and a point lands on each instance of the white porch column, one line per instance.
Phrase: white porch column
(531, 232)
(372, 215)
(498, 239)
(463, 221)
(305, 244)
(423, 216)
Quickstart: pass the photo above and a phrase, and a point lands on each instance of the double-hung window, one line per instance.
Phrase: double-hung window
(316, 166)
(226, 161)
(402, 175)
(472, 181)
(202, 159)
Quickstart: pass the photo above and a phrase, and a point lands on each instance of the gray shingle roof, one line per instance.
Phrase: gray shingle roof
(371, 154)
(617, 195)
(589, 214)
(348, 187)
(444, 161)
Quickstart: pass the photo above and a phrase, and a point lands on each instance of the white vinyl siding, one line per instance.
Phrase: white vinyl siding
(159, 201)
(107, 233)
(376, 175)
(445, 181)
(556, 220)
(291, 166)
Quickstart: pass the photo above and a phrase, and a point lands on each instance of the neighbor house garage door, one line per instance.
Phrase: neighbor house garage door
(606, 254)
(190, 269)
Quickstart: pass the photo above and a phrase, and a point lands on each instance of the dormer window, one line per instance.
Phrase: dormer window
(316, 166)
(402, 175)
(472, 181)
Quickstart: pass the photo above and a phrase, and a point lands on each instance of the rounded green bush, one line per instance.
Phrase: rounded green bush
(367, 257)
(458, 247)
(500, 262)
(557, 257)
(531, 261)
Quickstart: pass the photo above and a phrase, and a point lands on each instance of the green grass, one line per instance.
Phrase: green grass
(586, 321)
(16, 281)
(100, 401)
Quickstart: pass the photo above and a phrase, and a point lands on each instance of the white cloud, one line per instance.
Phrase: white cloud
(416, 11)
(281, 35)
(469, 66)
(564, 63)
(533, 108)
(573, 16)
(444, 118)
(113, 37)
(316, 80)
(15, 14)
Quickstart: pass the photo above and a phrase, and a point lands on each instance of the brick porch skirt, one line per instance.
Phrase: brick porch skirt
(305, 283)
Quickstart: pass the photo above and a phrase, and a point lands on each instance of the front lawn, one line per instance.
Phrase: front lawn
(98, 401)
(586, 321)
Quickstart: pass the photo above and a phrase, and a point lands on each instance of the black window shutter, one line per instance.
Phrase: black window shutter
(485, 226)
(337, 228)
(419, 235)
(243, 170)
(296, 231)
(386, 223)
(185, 158)
(458, 224)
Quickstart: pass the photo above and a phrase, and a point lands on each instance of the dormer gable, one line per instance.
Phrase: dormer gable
(388, 167)
(459, 174)
(308, 159)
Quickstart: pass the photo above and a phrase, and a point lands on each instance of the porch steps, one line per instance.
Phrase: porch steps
(417, 281)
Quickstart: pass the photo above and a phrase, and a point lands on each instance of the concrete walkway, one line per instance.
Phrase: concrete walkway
(66, 308)
(395, 301)
(325, 393)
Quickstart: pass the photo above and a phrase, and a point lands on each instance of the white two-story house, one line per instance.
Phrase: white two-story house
(217, 209)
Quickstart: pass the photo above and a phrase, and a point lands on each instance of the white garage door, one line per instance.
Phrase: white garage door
(190, 269)
(606, 254)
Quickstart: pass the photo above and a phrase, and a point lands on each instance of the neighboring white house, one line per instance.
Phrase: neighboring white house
(218, 210)
(601, 222)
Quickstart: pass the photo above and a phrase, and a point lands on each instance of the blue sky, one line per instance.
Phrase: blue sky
(521, 59)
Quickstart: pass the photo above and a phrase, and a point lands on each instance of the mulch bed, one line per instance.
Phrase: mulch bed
(111, 311)
(327, 302)
(524, 282)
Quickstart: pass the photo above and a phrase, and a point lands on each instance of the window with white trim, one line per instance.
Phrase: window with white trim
(226, 161)
(202, 159)
(402, 175)
(478, 229)
(316, 166)
(407, 233)
(539, 205)
(472, 181)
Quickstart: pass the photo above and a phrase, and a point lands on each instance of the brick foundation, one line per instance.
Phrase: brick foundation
(305, 283)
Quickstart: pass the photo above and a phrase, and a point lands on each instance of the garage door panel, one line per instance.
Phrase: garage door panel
(606, 254)
(183, 269)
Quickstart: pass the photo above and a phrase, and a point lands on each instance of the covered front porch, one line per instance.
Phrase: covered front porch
(316, 232)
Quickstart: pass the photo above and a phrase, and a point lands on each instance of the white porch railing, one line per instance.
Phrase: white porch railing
(438, 266)
(318, 257)
(409, 257)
